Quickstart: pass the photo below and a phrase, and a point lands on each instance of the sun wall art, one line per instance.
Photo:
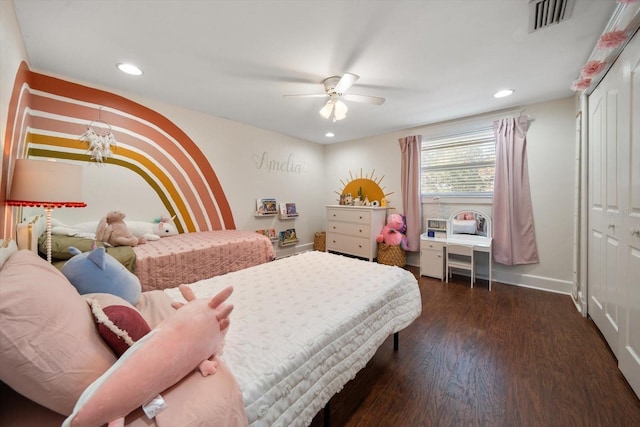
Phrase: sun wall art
(362, 190)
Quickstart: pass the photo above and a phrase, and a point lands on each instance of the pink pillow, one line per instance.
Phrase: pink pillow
(119, 323)
(50, 347)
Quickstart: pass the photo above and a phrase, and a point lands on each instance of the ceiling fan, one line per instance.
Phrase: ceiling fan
(335, 88)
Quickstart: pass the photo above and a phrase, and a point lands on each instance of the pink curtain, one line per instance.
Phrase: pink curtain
(410, 181)
(514, 240)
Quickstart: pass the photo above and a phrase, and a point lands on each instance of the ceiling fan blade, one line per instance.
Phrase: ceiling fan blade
(345, 82)
(314, 95)
(364, 99)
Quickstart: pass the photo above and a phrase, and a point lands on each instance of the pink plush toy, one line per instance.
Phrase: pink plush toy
(189, 338)
(390, 233)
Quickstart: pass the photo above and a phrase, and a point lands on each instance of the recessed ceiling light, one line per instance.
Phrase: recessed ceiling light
(130, 69)
(329, 134)
(502, 93)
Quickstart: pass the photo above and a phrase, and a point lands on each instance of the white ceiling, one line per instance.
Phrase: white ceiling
(433, 60)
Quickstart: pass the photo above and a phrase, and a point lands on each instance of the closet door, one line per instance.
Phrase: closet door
(604, 213)
(629, 334)
(614, 210)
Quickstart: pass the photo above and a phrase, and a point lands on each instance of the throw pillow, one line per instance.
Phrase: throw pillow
(49, 345)
(119, 323)
(98, 272)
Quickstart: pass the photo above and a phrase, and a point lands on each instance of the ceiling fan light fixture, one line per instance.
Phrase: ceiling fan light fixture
(327, 109)
(340, 110)
(335, 88)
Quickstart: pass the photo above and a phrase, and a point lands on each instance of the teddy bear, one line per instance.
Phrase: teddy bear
(391, 234)
(113, 230)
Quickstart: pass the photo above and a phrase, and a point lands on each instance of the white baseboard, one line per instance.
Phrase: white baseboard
(293, 250)
(534, 282)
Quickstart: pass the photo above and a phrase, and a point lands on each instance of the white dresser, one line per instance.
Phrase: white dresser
(353, 229)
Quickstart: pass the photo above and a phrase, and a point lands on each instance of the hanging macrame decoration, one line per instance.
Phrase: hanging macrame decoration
(100, 140)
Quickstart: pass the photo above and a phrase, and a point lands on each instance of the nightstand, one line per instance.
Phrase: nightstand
(432, 256)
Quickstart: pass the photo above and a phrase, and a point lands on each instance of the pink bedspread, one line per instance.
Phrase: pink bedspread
(189, 257)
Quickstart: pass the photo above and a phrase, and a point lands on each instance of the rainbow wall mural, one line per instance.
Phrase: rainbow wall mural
(47, 115)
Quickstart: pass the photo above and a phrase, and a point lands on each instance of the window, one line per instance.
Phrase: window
(461, 165)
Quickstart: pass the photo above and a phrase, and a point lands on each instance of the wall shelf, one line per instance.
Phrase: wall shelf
(285, 217)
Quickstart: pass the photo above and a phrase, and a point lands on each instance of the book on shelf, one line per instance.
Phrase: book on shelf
(290, 209)
(269, 232)
(266, 206)
(288, 236)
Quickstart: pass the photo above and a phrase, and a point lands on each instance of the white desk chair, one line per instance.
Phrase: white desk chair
(460, 257)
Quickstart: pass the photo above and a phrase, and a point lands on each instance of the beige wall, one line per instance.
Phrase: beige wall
(253, 163)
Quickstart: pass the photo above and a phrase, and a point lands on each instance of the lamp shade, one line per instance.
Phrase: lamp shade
(340, 110)
(48, 184)
(327, 109)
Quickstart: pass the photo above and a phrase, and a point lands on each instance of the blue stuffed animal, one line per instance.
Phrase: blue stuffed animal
(98, 272)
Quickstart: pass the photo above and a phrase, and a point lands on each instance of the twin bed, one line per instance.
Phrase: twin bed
(167, 262)
(303, 326)
(190, 257)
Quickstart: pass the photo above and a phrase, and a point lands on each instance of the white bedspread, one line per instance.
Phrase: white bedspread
(303, 326)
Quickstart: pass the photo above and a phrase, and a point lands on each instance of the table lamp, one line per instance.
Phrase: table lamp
(47, 184)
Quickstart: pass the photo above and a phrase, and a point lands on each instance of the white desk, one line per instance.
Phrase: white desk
(479, 243)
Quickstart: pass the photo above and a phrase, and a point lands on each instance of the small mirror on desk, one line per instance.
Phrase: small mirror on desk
(469, 225)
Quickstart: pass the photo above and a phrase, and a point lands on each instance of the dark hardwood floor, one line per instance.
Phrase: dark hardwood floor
(510, 357)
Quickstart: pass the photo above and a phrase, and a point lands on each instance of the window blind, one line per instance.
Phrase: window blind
(459, 165)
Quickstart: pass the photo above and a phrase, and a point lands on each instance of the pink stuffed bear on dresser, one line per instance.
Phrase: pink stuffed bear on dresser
(391, 233)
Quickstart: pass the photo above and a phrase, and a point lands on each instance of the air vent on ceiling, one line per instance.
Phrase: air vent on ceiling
(543, 13)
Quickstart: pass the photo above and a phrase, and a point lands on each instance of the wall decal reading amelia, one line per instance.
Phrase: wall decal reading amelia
(290, 165)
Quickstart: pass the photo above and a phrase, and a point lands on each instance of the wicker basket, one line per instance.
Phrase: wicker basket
(320, 241)
(391, 255)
